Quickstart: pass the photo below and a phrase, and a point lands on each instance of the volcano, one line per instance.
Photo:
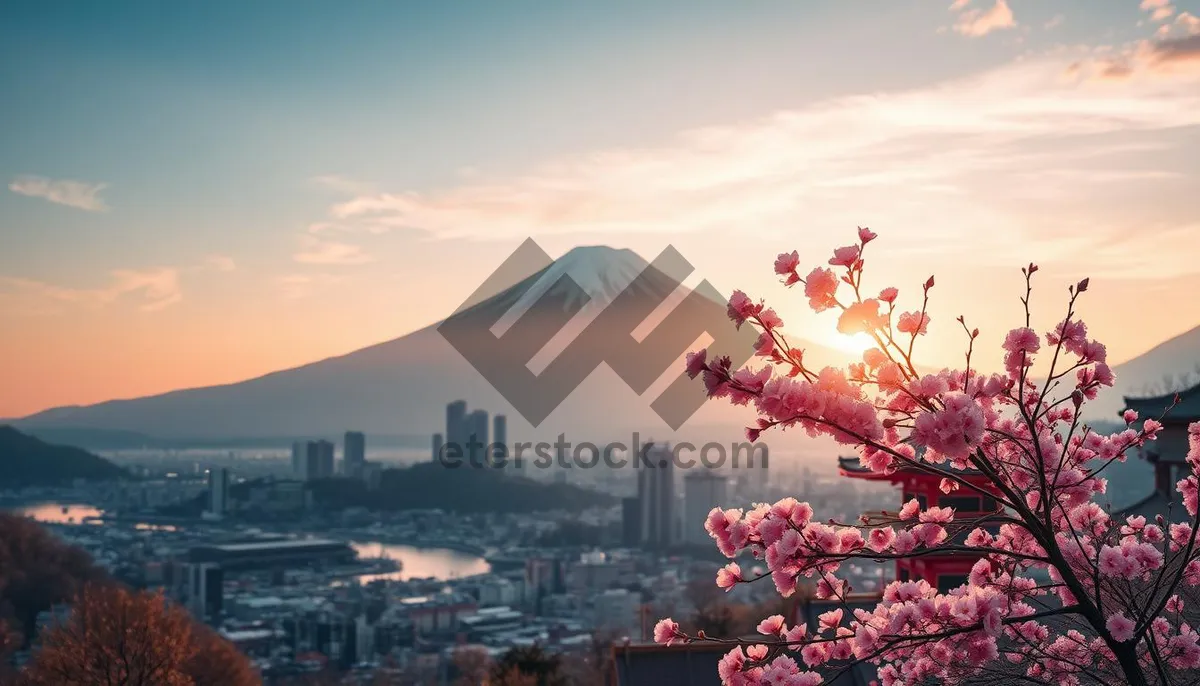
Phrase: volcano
(400, 387)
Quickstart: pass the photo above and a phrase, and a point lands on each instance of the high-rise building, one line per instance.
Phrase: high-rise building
(298, 459)
(703, 490)
(318, 460)
(656, 492)
(218, 490)
(438, 445)
(354, 453)
(204, 586)
(499, 437)
(631, 522)
(456, 434)
(476, 436)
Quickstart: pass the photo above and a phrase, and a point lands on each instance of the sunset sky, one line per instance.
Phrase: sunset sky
(198, 193)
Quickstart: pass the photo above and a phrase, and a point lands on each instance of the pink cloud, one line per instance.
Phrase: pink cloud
(317, 251)
(1160, 10)
(157, 288)
(1000, 134)
(977, 22)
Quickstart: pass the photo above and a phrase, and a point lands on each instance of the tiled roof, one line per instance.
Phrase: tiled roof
(654, 665)
(648, 664)
(853, 464)
(1157, 503)
(1187, 409)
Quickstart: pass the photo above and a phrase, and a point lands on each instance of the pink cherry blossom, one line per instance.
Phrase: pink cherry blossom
(729, 576)
(916, 323)
(696, 362)
(666, 631)
(845, 257)
(741, 307)
(787, 262)
(881, 539)
(955, 429)
(1023, 339)
(860, 316)
(830, 620)
(820, 286)
(772, 626)
(1120, 627)
(1057, 586)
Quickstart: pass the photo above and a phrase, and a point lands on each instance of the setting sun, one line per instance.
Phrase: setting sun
(855, 344)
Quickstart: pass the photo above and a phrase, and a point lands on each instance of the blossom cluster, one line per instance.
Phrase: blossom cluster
(1060, 591)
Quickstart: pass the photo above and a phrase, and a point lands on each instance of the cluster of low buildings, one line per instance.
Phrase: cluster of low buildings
(314, 597)
(302, 590)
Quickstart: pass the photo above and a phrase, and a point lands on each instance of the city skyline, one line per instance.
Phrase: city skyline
(188, 227)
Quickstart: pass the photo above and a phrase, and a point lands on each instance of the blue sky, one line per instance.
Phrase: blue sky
(172, 170)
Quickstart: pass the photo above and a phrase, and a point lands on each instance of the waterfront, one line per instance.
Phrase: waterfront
(58, 513)
(420, 563)
(414, 562)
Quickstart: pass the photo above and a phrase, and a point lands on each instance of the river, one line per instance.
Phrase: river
(421, 563)
(415, 563)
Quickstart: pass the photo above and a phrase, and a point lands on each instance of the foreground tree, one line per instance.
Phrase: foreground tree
(37, 571)
(215, 661)
(531, 665)
(1064, 593)
(115, 636)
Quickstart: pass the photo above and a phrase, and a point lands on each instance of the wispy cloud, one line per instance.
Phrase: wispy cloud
(978, 22)
(1173, 58)
(976, 149)
(77, 194)
(297, 286)
(220, 263)
(1175, 51)
(1160, 10)
(318, 251)
(152, 289)
(343, 184)
(1188, 22)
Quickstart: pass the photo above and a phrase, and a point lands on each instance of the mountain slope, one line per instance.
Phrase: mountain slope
(1168, 366)
(27, 461)
(401, 386)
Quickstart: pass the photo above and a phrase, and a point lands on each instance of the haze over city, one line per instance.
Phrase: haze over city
(681, 342)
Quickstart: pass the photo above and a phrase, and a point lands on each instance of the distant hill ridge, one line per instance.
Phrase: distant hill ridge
(400, 387)
(28, 461)
(1169, 366)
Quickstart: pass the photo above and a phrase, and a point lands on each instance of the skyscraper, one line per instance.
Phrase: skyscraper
(438, 444)
(354, 453)
(476, 435)
(656, 492)
(456, 434)
(298, 459)
(631, 522)
(318, 460)
(218, 490)
(500, 437)
(703, 489)
(204, 590)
